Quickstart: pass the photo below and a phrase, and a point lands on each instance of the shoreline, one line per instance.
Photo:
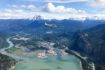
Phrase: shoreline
(83, 62)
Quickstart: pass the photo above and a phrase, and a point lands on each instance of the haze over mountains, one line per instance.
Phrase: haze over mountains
(86, 37)
(69, 23)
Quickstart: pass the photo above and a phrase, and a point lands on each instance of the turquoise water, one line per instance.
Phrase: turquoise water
(50, 63)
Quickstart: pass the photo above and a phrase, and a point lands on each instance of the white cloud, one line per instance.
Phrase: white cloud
(12, 13)
(19, 14)
(95, 3)
(64, 1)
(13, 10)
(29, 7)
(96, 16)
(51, 8)
(53, 12)
(57, 1)
(61, 9)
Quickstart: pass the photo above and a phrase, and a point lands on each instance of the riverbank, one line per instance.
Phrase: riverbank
(86, 65)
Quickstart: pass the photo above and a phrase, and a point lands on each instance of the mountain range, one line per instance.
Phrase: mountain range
(86, 37)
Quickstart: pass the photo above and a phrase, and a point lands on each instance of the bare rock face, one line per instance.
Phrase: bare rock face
(91, 43)
(81, 43)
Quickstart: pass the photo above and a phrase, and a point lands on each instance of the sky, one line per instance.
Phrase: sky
(52, 9)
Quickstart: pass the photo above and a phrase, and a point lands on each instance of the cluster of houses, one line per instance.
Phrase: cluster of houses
(50, 50)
